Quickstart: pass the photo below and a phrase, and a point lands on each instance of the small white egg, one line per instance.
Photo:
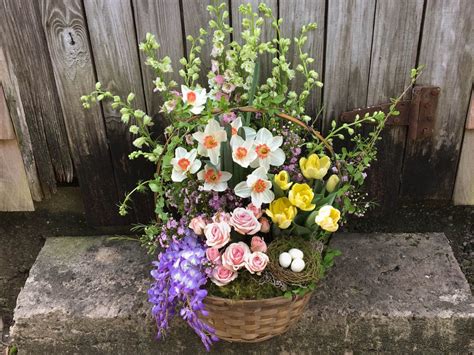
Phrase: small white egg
(296, 253)
(297, 265)
(284, 260)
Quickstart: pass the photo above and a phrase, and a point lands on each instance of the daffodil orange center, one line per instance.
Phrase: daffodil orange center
(234, 131)
(259, 186)
(241, 153)
(184, 163)
(262, 151)
(210, 142)
(191, 96)
(212, 176)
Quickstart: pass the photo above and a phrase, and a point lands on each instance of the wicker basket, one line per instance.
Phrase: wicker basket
(252, 321)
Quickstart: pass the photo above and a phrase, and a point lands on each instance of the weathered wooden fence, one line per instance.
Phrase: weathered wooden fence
(55, 50)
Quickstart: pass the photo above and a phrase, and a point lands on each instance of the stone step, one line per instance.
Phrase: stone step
(400, 293)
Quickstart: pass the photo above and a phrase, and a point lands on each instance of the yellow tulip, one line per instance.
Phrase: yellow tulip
(282, 179)
(332, 183)
(315, 167)
(327, 218)
(301, 196)
(282, 212)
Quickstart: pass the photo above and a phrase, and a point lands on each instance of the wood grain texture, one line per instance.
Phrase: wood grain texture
(6, 126)
(195, 16)
(470, 115)
(447, 53)
(348, 47)
(68, 43)
(296, 13)
(14, 191)
(20, 21)
(15, 108)
(464, 187)
(118, 69)
(394, 47)
(161, 18)
(267, 34)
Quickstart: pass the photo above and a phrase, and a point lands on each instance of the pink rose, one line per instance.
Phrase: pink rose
(213, 255)
(257, 211)
(265, 228)
(235, 255)
(258, 244)
(221, 217)
(197, 224)
(217, 234)
(244, 221)
(256, 262)
(221, 276)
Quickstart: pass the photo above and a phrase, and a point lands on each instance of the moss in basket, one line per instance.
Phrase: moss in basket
(245, 287)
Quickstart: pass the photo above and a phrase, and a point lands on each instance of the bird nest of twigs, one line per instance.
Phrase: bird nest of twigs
(312, 257)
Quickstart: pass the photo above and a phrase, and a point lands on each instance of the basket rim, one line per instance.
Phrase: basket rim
(279, 300)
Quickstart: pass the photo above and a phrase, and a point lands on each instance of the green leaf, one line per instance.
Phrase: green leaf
(253, 88)
(154, 186)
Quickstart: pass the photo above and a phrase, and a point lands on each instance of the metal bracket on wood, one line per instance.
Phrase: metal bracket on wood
(418, 113)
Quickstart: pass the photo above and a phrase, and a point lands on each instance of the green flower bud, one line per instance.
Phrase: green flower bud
(332, 183)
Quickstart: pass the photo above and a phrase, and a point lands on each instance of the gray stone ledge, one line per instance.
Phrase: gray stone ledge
(400, 293)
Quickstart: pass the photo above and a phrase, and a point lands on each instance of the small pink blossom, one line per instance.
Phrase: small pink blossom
(214, 66)
(258, 244)
(256, 262)
(217, 234)
(229, 117)
(221, 217)
(244, 221)
(219, 79)
(197, 224)
(265, 228)
(221, 276)
(219, 95)
(213, 255)
(257, 211)
(235, 256)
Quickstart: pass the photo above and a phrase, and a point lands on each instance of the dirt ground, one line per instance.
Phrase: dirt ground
(22, 236)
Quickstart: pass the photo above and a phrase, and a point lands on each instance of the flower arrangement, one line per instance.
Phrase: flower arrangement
(242, 177)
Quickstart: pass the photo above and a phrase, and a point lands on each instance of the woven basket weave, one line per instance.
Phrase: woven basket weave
(252, 321)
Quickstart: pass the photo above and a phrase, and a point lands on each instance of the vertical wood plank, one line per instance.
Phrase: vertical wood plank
(267, 33)
(447, 53)
(14, 190)
(24, 40)
(68, 43)
(296, 13)
(118, 69)
(195, 16)
(349, 38)
(161, 18)
(464, 187)
(394, 48)
(17, 115)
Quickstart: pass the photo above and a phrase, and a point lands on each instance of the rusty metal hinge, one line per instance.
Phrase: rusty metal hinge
(418, 113)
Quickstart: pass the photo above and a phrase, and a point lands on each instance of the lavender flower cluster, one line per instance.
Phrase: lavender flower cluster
(180, 274)
(172, 231)
(292, 143)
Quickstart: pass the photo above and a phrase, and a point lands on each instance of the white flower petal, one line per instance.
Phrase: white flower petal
(197, 109)
(226, 176)
(267, 196)
(196, 165)
(220, 186)
(263, 136)
(242, 189)
(177, 176)
(250, 133)
(214, 155)
(276, 142)
(256, 199)
(180, 152)
(277, 158)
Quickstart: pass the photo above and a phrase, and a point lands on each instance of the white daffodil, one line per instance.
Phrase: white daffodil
(257, 187)
(196, 98)
(214, 179)
(268, 150)
(242, 152)
(184, 162)
(210, 141)
(249, 132)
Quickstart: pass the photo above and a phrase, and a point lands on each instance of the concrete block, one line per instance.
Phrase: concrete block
(401, 293)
